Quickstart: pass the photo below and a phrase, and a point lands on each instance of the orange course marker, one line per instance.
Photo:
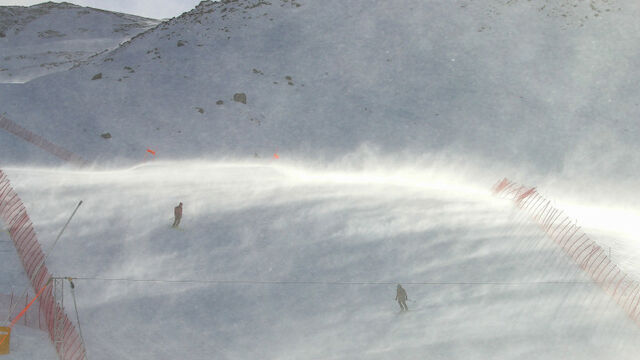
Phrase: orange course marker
(275, 156)
(149, 151)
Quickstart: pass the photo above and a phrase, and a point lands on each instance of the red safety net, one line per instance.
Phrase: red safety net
(14, 214)
(40, 142)
(585, 252)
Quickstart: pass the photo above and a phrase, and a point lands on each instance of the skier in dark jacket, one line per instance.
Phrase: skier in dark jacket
(177, 212)
(401, 296)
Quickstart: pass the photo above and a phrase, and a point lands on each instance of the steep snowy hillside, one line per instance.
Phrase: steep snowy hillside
(551, 88)
(52, 37)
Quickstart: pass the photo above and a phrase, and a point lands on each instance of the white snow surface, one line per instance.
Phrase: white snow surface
(481, 279)
(391, 119)
(50, 37)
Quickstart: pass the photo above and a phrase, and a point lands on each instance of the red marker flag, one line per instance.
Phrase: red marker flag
(275, 156)
(150, 152)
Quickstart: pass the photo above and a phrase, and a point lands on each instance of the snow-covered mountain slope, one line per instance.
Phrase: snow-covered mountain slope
(52, 37)
(280, 261)
(513, 83)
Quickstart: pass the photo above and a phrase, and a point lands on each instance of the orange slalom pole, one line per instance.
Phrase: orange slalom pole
(25, 310)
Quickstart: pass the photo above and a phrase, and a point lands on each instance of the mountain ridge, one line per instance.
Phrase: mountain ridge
(50, 37)
(323, 81)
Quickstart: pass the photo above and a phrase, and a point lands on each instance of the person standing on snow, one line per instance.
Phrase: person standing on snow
(177, 212)
(401, 296)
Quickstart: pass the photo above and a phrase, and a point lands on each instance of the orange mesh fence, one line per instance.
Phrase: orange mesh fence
(585, 253)
(14, 303)
(40, 142)
(14, 215)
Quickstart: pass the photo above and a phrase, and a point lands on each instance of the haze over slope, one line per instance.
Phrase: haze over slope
(52, 37)
(410, 110)
(281, 261)
(547, 88)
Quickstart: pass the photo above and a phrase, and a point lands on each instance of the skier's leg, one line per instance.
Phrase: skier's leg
(400, 303)
(404, 303)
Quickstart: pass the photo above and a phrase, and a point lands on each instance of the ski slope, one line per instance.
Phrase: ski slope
(392, 120)
(282, 260)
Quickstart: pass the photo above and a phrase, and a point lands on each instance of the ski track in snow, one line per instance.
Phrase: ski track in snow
(260, 224)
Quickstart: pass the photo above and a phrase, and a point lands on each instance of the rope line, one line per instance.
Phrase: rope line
(75, 306)
(285, 282)
(24, 311)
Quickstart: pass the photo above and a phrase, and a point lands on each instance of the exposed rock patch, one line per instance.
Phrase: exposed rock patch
(240, 97)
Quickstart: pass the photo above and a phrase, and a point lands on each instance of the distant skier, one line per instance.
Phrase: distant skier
(177, 212)
(401, 296)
